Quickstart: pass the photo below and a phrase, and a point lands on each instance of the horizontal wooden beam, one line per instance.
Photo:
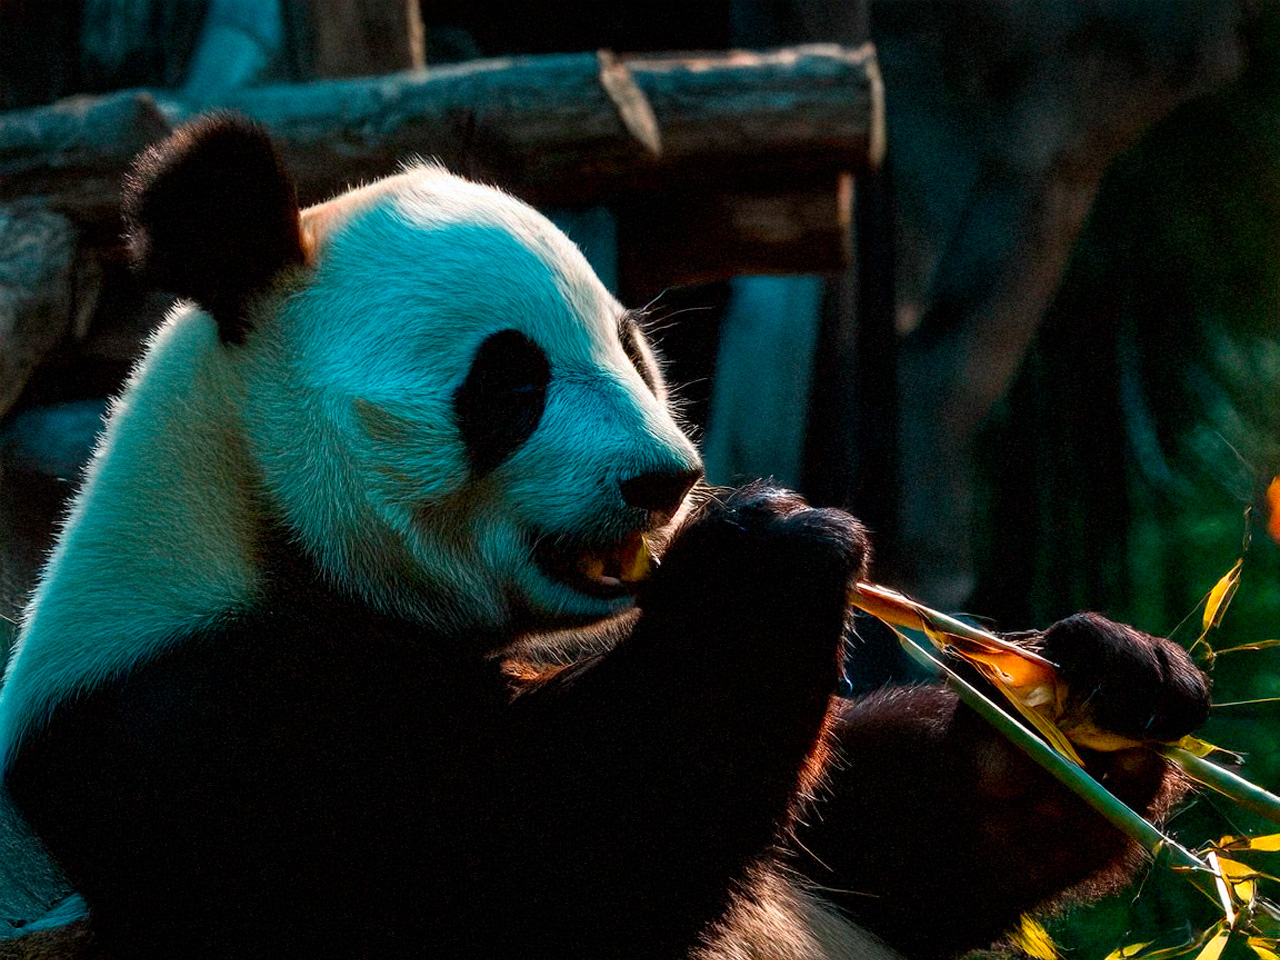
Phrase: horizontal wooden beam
(561, 129)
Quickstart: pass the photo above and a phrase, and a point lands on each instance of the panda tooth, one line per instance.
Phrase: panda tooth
(628, 564)
(637, 561)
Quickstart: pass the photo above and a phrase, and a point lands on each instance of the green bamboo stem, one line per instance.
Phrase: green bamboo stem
(1211, 775)
(1204, 772)
(1073, 777)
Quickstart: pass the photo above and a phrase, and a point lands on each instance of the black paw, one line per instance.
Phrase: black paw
(761, 552)
(1126, 681)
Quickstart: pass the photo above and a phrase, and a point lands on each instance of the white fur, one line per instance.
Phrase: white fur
(340, 403)
(156, 540)
(774, 919)
(370, 369)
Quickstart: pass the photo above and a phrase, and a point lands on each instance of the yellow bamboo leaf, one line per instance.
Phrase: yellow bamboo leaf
(1128, 952)
(1256, 645)
(1043, 725)
(1234, 870)
(1020, 672)
(1006, 673)
(1213, 949)
(1270, 843)
(1201, 748)
(1220, 596)
(1183, 949)
(943, 630)
(1033, 940)
(1241, 877)
(1264, 947)
(1016, 667)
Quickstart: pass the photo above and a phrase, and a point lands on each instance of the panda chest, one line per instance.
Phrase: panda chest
(318, 718)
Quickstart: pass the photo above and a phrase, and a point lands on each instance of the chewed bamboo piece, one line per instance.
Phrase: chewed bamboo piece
(1022, 666)
(1029, 681)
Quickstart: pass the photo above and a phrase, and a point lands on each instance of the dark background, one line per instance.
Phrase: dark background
(1078, 402)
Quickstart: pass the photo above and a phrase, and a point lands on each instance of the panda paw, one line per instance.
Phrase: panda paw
(760, 555)
(1122, 681)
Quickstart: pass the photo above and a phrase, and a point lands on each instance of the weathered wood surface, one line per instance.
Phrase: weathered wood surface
(544, 126)
(45, 294)
(352, 37)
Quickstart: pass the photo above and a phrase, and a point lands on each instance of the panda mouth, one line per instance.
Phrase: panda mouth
(607, 572)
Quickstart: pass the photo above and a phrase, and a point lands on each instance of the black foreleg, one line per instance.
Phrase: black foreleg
(938, 832)
(667, 767)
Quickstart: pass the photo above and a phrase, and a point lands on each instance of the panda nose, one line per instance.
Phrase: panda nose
(659, 491)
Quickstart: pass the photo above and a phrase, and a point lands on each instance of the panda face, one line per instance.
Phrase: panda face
(459, 420)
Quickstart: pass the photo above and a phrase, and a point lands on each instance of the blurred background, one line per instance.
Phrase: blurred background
(1023, 317)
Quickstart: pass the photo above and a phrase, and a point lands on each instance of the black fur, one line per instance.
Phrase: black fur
(211, 215)
(1127, 681)
(629, 333)
(316, 780)
(941, 833)
(500, 403)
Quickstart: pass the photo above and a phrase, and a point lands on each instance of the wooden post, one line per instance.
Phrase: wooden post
(358, 38)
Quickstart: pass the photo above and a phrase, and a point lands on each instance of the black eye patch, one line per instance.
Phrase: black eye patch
(629, 333)
(500, 403)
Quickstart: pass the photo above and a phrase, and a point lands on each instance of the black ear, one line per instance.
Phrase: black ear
(211, 214)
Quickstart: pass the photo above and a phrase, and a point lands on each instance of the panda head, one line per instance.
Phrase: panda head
(442, 404)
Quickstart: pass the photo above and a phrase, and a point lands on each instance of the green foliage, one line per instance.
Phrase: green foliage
(1146, 429)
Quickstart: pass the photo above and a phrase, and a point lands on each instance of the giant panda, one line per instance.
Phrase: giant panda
(385, 624)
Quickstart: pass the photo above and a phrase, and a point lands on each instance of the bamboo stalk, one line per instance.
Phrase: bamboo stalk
(895, 608)
(1132, 824)
(1246, 794)
(900, 609)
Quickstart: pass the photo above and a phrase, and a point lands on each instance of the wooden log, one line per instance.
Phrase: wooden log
(39, 300)
(545, 126)
(75, 152)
